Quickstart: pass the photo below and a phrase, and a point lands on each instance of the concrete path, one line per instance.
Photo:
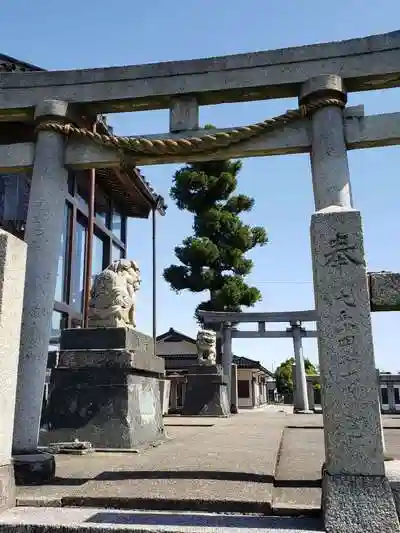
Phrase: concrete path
(265, 461)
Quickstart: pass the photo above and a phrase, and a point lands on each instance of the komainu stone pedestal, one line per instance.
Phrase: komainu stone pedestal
(206, 392)
(107, 396)
(12, 275)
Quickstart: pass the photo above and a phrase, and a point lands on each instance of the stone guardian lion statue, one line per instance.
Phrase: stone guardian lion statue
(113, 296)
(206, 343)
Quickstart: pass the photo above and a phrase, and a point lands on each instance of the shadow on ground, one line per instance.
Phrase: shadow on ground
(185, 474)
(179, 520)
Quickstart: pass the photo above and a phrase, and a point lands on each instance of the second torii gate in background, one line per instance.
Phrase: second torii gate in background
(295, 331)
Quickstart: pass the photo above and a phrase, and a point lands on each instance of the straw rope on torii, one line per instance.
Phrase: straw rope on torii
(191, 144)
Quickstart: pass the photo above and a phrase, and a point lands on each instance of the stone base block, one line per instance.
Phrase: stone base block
(206, 393)
(124, 359)
(36, 468)
(358, 504)
(105, 406)
(7, 487)
(106, 339)
(384, 291)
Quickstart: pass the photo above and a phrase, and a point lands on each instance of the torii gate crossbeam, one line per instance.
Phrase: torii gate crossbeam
(364, 64)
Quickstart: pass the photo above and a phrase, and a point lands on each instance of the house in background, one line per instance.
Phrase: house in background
(256, 384)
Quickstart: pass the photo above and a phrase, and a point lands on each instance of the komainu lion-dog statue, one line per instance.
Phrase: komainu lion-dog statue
(113, 296)
(206, 343)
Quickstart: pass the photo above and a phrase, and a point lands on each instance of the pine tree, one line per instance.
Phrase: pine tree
(213, 259)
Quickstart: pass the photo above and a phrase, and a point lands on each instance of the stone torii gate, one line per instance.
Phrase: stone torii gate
(355, 489)
(295, 331)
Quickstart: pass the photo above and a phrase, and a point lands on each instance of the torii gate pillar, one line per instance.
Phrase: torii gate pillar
(355, 489)
(227, 358)
(43, 238)
(300, 396)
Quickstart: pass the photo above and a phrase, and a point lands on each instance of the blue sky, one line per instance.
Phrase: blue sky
(84, 34)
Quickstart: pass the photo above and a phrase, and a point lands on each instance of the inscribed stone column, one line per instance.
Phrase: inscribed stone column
(301, 398)
(43, 236)
(12, 274)
(348, 377)
(227, 357)
(355, 490)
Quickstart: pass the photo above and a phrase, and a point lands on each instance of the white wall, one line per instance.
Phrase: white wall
(256, 386)
(260, 397)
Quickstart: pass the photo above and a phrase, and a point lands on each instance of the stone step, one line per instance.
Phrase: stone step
(296, 501)
(71, 520)
(297, 483)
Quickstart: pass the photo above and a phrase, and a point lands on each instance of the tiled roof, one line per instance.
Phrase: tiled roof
(175, 336)
(245, 362)
(10, 64)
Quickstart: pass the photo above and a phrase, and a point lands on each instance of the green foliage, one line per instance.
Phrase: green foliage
(284, 377)
(213, 259)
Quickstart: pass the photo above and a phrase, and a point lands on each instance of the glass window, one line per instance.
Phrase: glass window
(14, 198)
(61, 285)
(82, 186)
(385, 398)
(116, 224)
(396, 396)
(78, 267)
(57, 323)
(71, 182)
(97, 256)
(102, 206)
(116, 252)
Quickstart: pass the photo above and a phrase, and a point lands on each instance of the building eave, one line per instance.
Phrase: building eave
(11, 64)
(250, 364)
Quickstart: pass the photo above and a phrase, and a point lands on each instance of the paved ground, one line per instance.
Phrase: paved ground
(265, 461)
(72, 520)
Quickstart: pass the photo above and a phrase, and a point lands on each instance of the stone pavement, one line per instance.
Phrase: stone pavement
(74, 520)
(264, 461)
